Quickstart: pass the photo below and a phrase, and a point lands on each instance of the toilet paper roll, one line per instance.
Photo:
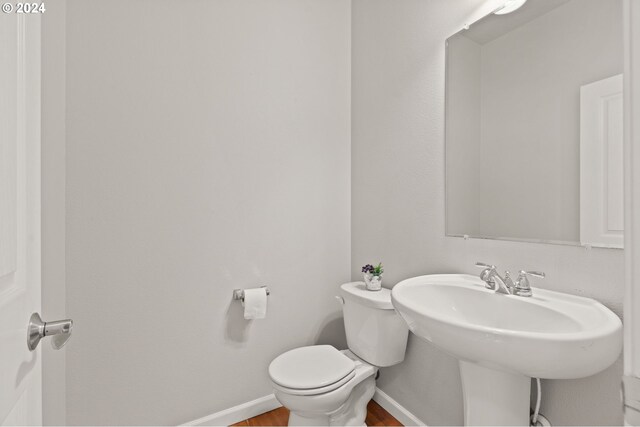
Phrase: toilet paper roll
(255, 303)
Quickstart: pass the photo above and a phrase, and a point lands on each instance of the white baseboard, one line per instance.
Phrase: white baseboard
(397, 410)
(268, 403)
(238, 413)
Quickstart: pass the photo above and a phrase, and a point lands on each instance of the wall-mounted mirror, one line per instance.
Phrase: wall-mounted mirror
(534, 125)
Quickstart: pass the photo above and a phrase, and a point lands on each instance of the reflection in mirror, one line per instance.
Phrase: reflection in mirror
(534, 124)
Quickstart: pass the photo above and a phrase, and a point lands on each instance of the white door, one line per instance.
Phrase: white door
(20, 369)
(601, 163)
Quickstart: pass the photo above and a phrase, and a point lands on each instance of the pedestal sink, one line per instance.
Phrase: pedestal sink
(504, 340)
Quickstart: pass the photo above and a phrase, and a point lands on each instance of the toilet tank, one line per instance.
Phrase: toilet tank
(375, 331)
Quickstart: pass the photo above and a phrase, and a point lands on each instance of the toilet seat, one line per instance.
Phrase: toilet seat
(315, 391)
(311, 370)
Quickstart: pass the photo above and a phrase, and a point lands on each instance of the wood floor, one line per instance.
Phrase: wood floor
(376, 416)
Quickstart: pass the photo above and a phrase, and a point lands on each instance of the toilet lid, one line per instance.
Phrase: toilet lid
(310, 367)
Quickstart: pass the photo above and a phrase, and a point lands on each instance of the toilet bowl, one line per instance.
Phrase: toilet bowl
(323, 386)
(341, 402)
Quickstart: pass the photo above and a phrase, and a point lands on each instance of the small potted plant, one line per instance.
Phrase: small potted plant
(373, 276)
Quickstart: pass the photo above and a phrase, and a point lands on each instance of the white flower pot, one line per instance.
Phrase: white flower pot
(373, 283)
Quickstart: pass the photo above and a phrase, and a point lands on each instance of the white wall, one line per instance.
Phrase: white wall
(208, 148)
(398, 125)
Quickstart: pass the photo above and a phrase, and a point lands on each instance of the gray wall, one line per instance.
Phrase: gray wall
(208, 148)
(398, 156)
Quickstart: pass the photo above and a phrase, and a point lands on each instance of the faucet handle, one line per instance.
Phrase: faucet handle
(483, 265)
(539, 274)
(523, 289)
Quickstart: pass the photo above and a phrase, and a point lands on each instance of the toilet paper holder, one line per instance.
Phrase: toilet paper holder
(238, 294)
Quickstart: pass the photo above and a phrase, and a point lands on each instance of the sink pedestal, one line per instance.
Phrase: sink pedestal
(493, 397)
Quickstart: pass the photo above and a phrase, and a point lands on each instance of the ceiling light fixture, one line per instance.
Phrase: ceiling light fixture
(510, 6)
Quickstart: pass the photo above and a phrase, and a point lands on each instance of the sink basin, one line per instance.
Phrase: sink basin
(549, 335)
(506, 339)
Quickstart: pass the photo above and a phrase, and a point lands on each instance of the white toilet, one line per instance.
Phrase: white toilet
(322, 386)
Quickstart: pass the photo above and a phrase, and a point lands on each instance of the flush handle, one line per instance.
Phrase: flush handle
(59, 331)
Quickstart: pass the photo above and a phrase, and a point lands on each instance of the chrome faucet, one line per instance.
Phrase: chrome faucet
(505, 285)
(494, 281)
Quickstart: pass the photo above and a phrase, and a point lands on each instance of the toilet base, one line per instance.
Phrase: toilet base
(352, 413)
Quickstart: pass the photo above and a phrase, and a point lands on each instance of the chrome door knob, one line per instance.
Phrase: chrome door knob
(59, 330)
